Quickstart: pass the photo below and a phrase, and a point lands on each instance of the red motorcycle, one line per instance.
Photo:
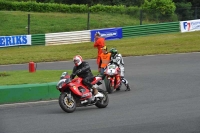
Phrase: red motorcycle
(112, 80)
(75, 94)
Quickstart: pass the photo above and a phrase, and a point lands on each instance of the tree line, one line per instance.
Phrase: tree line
(179, 3)
(184, 9)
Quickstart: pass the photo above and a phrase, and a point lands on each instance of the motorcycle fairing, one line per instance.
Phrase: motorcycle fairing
(96, 79)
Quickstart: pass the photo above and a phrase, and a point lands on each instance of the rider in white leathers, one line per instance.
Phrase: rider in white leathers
(118, 60)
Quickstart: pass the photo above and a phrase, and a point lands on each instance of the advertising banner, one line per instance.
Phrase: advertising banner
(17, 40)
(108, 34)
(190, 25)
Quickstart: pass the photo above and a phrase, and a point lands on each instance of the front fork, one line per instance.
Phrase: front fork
(69, 96)
(112, 81)
(118, 81)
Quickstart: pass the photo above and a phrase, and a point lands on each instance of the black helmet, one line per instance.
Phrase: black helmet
(113, 52)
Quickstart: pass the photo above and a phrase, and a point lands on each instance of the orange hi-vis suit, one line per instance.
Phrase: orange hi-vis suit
(104, 60)
(99, 43)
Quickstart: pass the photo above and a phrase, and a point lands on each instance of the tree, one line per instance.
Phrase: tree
(187, 9)
(165, 7)
(195, 3)
(184, 11)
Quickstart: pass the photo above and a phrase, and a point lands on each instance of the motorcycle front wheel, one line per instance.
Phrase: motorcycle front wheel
(102, 102)
(68, 104)
(109, 86)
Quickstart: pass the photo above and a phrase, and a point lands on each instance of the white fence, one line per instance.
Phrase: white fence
(67, 37)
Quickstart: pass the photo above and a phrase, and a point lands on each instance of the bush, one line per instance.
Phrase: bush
(159, 8)
(22, 0)
(54, 7)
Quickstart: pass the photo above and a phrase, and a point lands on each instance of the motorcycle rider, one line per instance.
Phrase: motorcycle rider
(118, 60)
(82, 69)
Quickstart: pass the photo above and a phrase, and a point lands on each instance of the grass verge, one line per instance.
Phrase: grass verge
(137, 46)
(24, 77)
(41, 23)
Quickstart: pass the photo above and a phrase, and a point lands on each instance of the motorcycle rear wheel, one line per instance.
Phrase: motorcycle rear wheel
(102, 103)
(65, 104)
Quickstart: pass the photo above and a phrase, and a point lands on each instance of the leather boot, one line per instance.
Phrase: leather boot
(128, 87)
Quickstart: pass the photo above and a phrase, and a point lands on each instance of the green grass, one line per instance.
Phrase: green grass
(137, 46)
(15, 22)
(24, 77)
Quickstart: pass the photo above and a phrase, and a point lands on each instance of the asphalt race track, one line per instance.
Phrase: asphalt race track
(165, 98)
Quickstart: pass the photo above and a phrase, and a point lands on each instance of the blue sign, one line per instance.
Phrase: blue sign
(108, 34)
(7, 41)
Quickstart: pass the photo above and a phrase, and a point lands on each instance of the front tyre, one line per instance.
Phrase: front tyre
(109, 86)
(102, 102)
(67, 102)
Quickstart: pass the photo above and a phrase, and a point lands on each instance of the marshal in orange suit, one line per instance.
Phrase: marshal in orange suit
(99, 43)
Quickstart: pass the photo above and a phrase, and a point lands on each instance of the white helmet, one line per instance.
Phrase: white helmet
(77, 60)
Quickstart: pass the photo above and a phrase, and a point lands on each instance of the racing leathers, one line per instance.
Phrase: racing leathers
(83, 71)
(118, 60)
